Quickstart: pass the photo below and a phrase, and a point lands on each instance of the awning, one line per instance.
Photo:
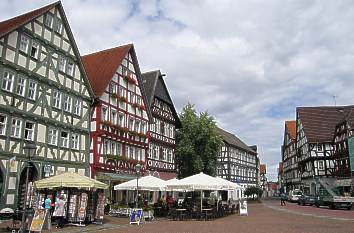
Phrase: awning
(69, 180)
(149, 183)
(114, 176)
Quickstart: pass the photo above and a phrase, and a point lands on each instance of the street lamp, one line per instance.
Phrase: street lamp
(137, 169)
(29, 150)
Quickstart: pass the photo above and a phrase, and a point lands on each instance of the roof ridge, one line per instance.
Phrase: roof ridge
(107, 50)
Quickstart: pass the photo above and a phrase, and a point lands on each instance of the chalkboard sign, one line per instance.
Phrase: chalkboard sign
(243, 207)
(38, 220)
(136, 216)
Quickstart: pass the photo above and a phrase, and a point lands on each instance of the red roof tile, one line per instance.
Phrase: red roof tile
(9, 25)
(101, 66)
(263, 169)
(291, 128)
(319, 122)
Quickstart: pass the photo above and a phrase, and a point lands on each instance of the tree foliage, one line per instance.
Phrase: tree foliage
(197, 143)
(253, 190)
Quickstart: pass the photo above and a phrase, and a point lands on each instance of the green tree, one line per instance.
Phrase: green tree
(252, 191)
(197, 143)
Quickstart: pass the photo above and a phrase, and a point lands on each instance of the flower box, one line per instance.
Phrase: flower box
(122, 98)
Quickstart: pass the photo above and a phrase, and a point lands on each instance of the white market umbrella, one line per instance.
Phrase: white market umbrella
(148, 183)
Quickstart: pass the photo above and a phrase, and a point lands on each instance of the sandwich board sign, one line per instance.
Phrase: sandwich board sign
(38, 220)
(243, 207)
(136, 216)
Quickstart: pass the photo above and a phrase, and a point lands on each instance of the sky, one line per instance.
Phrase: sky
(247, 63)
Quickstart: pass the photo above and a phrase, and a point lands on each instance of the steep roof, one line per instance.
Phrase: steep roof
(9, 25)
(234, 140)
(319, 122)
(291, 129)
(101, 67)
(155, 86)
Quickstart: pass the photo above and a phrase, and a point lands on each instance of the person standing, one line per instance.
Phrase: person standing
(48, 207)
(60, 212)
(282, 199)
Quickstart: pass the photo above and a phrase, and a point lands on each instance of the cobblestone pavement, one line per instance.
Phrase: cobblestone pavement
(266, 217)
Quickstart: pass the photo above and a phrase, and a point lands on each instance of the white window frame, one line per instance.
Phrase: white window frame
(64, 141)
(21, 86)
(53, 136)
(49, 23)
(29, 132)
(121, 119)
(75, 141)
(67, 103)
(3, 120)
(104, 113)
(70, 67)
(7, 81)
(24, 43)
(57, 99)
(61, 63)
(16, 126)
(58, 26)
(32, 90)
(77, 107)
(34, 52)
(114, 117)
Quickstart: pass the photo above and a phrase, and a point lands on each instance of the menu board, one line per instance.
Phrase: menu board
(72, 207)
(38, 220)
(137, 216)
(100, 206)
(82, 208)
(243, 207)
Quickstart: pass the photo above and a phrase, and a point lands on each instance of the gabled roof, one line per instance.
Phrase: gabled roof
(12, 24)
(9, 25)
(291, 129)
(319, 122)
(101, 67)
(155, 86)
(234, 140)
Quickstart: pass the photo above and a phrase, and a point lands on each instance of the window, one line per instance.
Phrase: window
(67, 103)
(119, 148)
(16, 128)
(138, 100)
(29, 129)
(77, 107)
(104, 113)
(7, 81)
(319, 147)
(112, 87)
(58, 27)
(32, 88)
(320, 165)
(2, 125)
(70, 68)
(137, 126)
(61, 64)
(132, 97)
(64, 139)
(53, 136)
(24, 43)
(121, 119)
(34, 50)
(142, 130)
(121, 91)
(75, 141)
(114, 117)
(56, 99)
(48, 21)
(131, 124)
(20, 89)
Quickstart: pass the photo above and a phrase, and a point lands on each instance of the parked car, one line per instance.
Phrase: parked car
(294, 195)
(306, 200)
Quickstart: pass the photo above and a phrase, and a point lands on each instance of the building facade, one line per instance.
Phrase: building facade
(314, 147)
(237, 162)
(291, 178)
(45, 98)
(263, 177)
(162, 130)
(120, 117)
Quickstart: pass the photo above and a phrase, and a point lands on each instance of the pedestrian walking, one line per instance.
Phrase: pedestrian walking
(60, 212)
(48, 206)
(282, 199)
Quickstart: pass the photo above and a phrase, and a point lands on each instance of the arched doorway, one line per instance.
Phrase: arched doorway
(23, 195)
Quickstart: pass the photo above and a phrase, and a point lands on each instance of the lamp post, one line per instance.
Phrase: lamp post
(137, 169)
(29, 150)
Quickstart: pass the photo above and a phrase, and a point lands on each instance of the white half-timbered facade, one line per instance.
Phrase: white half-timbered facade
(237, 162)
(45, 97)
(162, 131)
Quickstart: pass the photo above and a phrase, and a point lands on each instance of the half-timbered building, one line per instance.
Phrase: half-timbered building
(237, 162)
(343, 142)
(314, 147)
(162, 131)
(45, 97)
(120, 115)
(290, 166)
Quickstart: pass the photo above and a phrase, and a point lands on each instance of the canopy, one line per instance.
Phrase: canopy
(201, 181)
(69, 180)
(231, 185)
(149, 183)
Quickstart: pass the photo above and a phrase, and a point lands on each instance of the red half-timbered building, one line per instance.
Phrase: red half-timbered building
(162, 131)
(120, 116)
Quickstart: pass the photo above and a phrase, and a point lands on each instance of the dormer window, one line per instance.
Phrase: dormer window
(48, 21)
(34, 50)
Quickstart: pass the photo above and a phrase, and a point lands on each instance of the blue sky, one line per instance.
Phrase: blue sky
(248, 63)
